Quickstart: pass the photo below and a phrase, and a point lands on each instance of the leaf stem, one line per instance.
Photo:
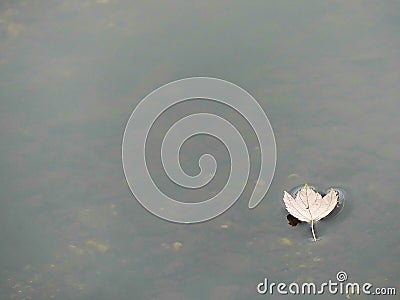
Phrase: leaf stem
(312, 230)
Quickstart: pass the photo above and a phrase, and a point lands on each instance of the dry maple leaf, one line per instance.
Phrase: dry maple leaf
(309, 206)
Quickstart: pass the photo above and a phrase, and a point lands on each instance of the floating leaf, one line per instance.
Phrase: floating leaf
(309, 206)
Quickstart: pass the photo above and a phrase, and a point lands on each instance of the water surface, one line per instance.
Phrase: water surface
(327, 75)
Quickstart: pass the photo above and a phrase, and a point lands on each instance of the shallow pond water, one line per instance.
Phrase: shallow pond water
(71, 72)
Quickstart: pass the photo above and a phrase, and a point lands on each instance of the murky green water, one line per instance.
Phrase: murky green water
(327, 74)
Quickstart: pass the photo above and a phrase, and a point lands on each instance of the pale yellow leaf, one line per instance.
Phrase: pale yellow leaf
(309, 206)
